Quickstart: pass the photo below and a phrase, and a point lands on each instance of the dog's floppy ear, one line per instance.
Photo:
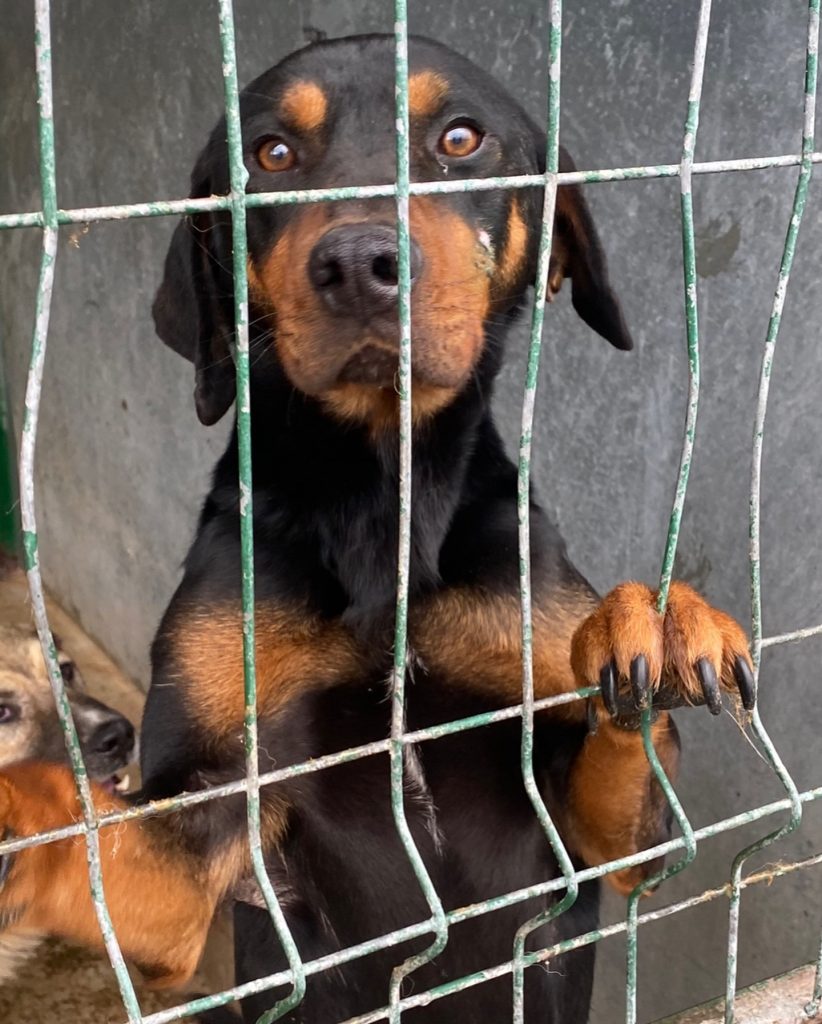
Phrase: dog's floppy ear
(576, 252)
(193, 308)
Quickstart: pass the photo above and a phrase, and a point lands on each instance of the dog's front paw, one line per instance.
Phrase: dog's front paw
(642, 659)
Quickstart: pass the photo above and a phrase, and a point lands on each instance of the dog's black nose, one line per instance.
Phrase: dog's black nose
(113, 738)
(354, 269)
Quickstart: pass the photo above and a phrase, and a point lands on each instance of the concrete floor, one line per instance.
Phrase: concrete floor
(64, 983)
(783, 1000)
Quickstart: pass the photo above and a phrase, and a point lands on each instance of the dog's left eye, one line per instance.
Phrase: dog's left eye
(276, 155)
(8, 714)
(460, 139)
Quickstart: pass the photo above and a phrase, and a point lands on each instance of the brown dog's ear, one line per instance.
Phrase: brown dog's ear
(193, 308)
(576, 253)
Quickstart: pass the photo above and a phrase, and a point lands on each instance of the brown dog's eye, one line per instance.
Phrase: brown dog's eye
(460, 139)
(8, 714)
(276, 155)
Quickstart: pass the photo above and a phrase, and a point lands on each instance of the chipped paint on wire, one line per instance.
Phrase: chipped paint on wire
(237, 202)
(539, 957)
(475, 910)
(27, 504)
(177, 207)
(757, 726)
(812, 1008)
(397, 747)
(238, 178)
(524, 523)
(692, 330)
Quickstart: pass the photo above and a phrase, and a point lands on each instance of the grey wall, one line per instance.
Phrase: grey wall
(123, 461)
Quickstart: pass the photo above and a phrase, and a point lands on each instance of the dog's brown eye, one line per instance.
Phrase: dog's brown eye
(276, 155)
(461, 139)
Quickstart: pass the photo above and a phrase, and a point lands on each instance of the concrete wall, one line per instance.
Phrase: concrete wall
(123, 461)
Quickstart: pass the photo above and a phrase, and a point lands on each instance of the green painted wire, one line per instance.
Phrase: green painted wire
(397, 748)
(538, 957)
(27, 503)
(812, 1008)
(524, 523)
(339, 957)
(175, 207)
(757, 726)
(239, 176)
(543, 957)
(692, 328)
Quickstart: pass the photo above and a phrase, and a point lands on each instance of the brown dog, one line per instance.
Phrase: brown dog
(30, 730)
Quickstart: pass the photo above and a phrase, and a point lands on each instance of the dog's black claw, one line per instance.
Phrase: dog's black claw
(710, 686)
(745, 683)
(607, 682)
(639, 682)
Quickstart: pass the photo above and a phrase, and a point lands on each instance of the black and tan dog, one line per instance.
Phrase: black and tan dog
(323, 301)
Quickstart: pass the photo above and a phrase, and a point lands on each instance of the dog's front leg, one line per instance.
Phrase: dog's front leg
(690, 655)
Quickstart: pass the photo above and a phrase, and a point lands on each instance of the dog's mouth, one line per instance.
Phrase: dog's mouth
(112, 773)
(115, 783)
(372, 365)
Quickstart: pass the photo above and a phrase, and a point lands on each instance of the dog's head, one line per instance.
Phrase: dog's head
(323, 276)
(29, 726)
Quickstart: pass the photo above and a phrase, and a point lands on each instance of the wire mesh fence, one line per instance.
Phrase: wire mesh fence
(787, 811)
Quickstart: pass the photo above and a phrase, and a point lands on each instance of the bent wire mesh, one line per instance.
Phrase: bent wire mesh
(434, 929)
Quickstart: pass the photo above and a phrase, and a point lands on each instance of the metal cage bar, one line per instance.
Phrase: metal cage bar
(238, 178)
(562, 889)
(45, 286)
(692, 331)
(176, 207)
(757, 726)
(524, 521)
(815, 1003)
(397, 748)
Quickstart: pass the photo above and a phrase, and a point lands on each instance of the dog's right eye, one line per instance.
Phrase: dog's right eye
(276, 155)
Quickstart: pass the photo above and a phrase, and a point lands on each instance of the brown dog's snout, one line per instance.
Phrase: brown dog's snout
(108, 740)
(353, 268)
(113, 738)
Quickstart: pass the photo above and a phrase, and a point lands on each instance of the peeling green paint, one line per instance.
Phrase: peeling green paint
(692, 330)
(238, 178)
(524, 522)
(397, 748)
(757, 726)
(27, 508)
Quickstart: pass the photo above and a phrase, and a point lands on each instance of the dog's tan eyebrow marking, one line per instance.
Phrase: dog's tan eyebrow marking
(304, 106)
(426, 92)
